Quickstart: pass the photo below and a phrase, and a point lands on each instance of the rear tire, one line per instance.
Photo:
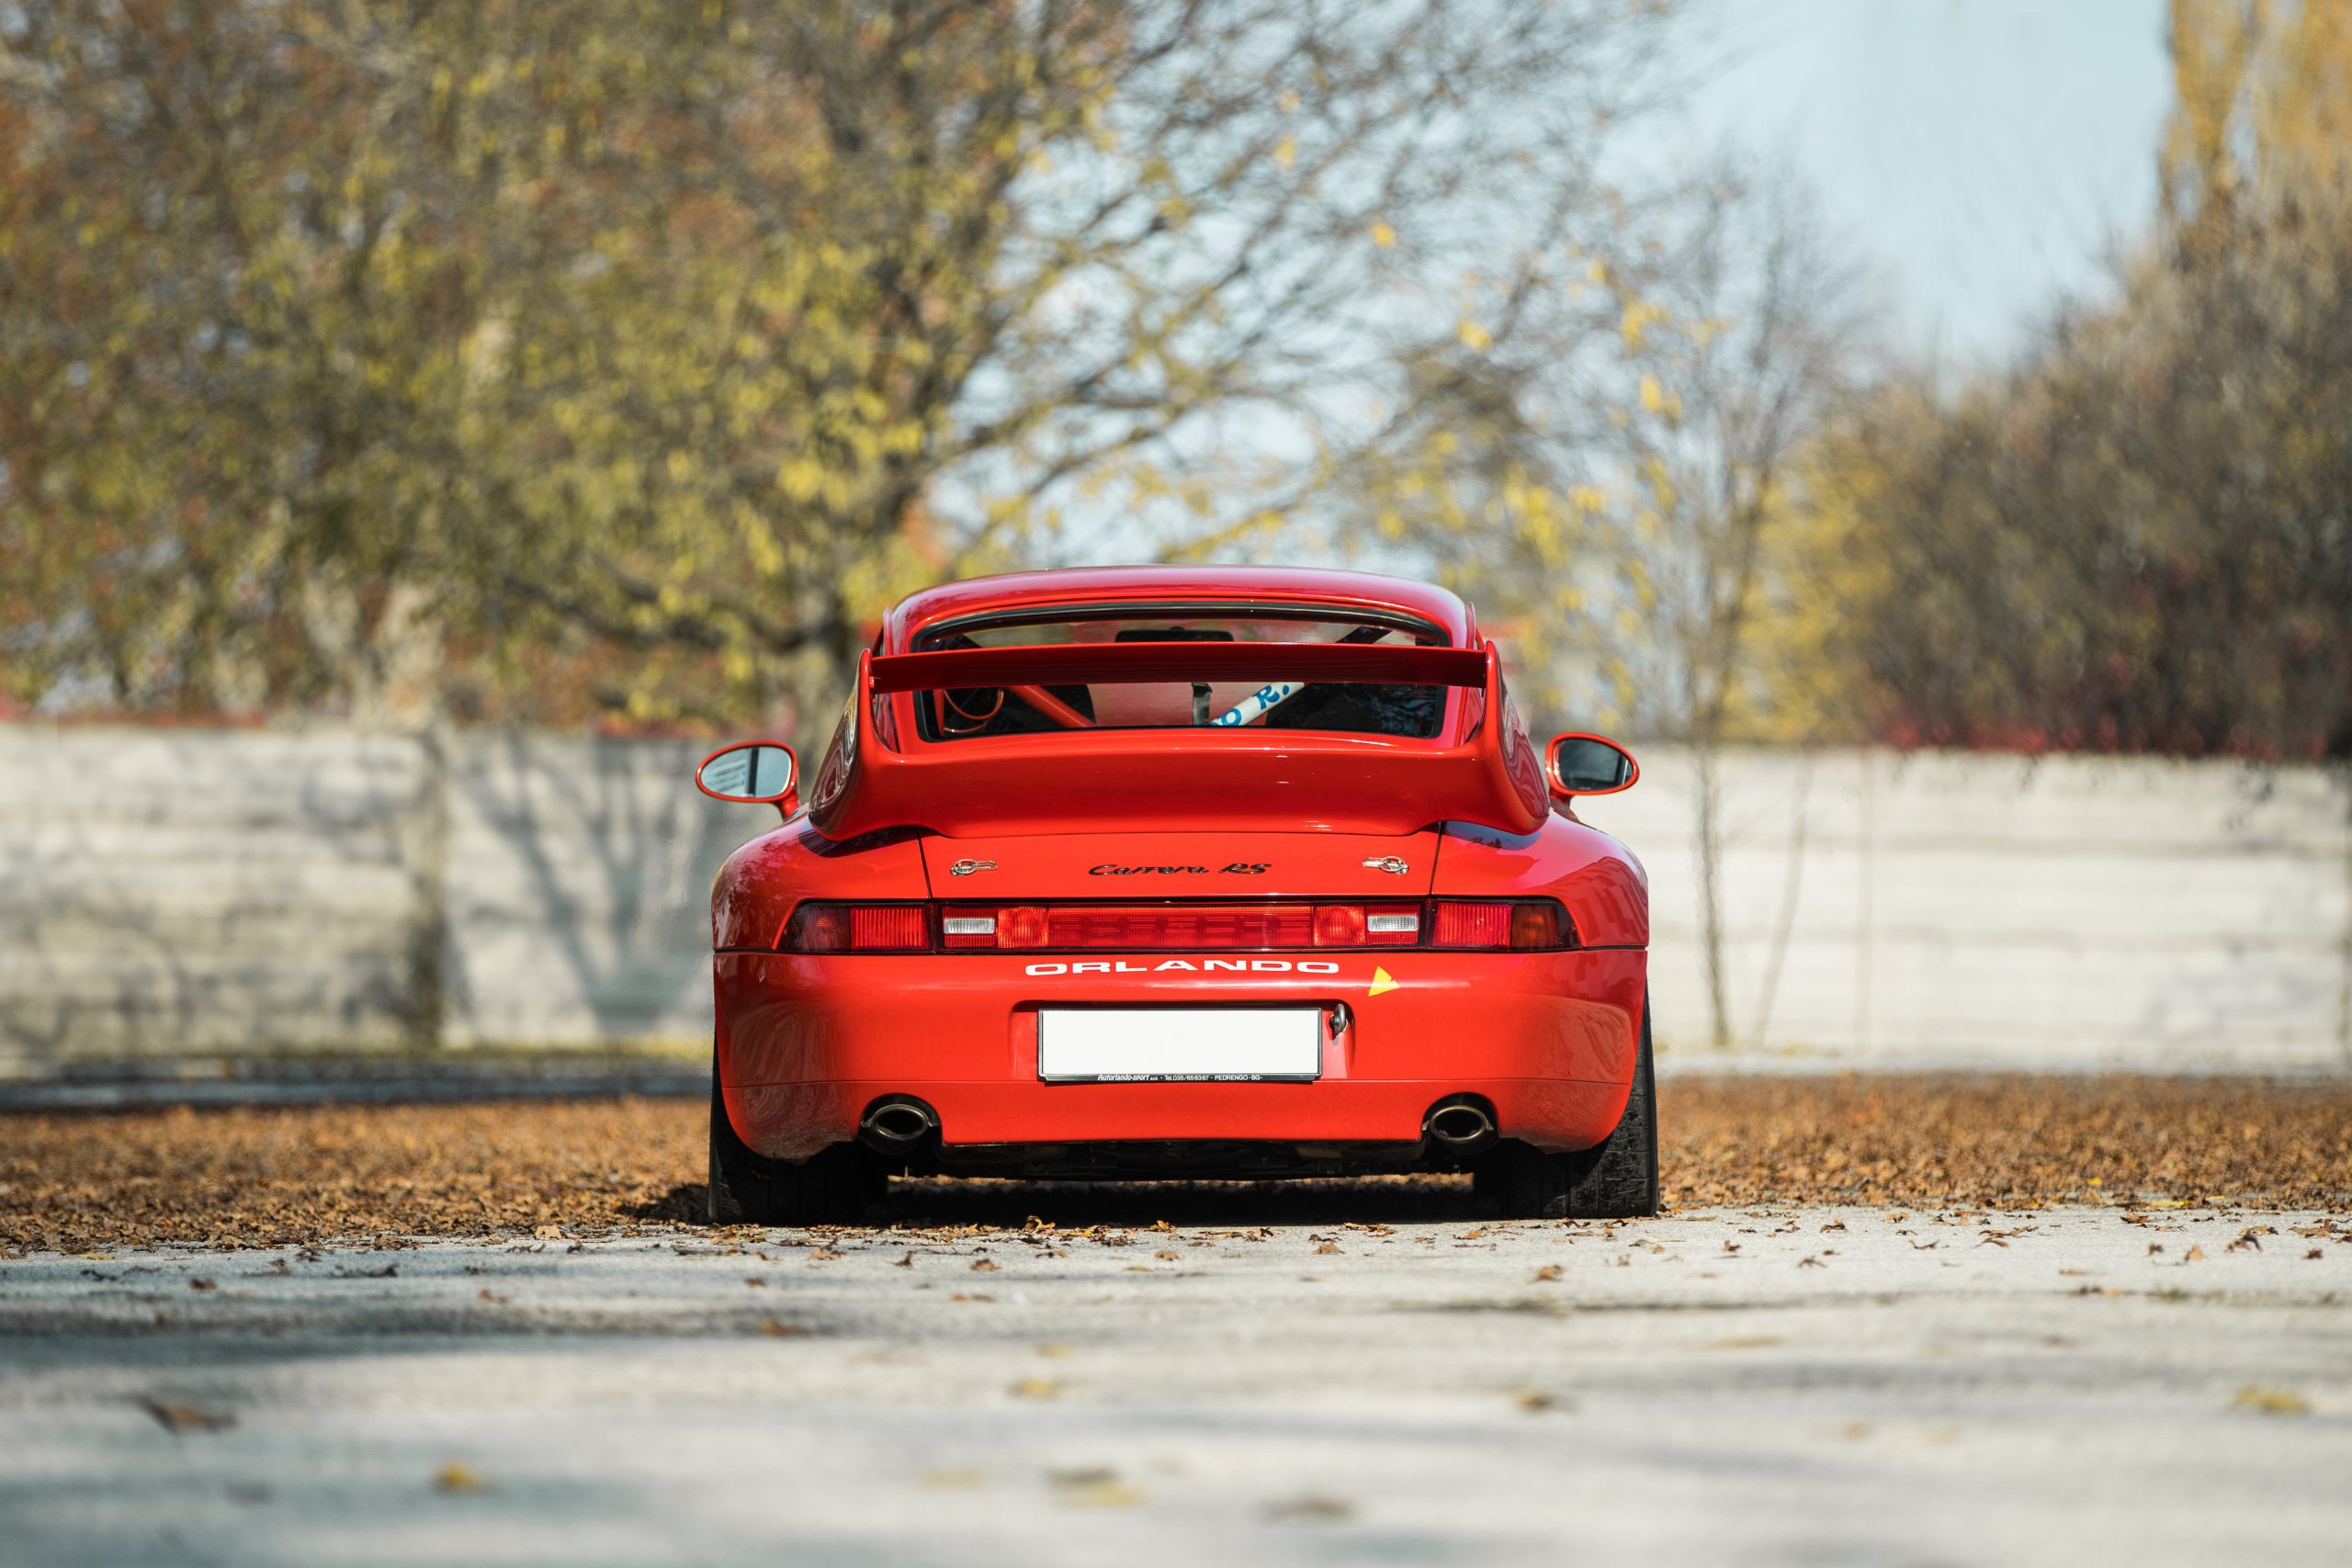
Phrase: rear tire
(835, 1187)
(1617, 1179)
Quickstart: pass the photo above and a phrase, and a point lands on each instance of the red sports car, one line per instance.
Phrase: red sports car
(1178, 871)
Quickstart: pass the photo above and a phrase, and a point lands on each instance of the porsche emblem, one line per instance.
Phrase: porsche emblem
(965, 867)
(1389, 864)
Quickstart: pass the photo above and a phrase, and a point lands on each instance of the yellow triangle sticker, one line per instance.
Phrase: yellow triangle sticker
(1380, 982)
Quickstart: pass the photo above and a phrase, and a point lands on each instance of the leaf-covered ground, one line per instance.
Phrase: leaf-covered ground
(74, 1182)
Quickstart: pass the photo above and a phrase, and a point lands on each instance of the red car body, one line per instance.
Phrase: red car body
(1195, 867)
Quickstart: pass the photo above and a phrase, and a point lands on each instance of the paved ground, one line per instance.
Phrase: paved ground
(1800, 1385)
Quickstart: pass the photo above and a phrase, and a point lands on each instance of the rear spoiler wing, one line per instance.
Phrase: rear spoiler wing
(1133, 663)
(1086, 779)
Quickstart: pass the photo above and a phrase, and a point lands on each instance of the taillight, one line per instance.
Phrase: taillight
(1339, 925)
(1136, 928)
(1522, 924)
(1534, 924)
(858, 928)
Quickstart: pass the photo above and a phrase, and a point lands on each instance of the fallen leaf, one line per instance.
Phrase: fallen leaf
(1549, 1271)
(1328, 1248)
(177, 1416)
(493, 1299)
(1092, 1488)
(456, 1477)
(1036, 1387)
(777, 1329)
(2271, 1401)
(1312, 1507)
(202, 1285)
(953, 1479)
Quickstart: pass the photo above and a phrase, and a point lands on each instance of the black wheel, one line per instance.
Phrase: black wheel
(834, 1186)
(1616, 1180)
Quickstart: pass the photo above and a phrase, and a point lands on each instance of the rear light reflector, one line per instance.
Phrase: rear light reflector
(876, 928)
(1392, 927)
(1216, 926)
(1471, 925)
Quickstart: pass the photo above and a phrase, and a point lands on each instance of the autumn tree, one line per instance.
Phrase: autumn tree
(2135, 539)
(629, 355)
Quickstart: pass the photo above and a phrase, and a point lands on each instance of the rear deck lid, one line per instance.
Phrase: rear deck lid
(1149, 867)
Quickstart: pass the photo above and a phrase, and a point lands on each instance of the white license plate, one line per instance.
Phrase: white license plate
(1179, 1044)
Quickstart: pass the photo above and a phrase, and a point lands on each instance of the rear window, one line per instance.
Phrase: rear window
(1408, 712)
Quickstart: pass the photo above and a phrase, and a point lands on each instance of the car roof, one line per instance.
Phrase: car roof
(1117, 584)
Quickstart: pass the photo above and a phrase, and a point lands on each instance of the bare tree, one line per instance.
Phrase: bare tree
(1773, 312)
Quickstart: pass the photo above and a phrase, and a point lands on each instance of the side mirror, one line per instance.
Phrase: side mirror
(753, 773)
(1588, 764)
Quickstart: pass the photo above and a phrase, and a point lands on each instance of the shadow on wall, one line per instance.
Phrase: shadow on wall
(251, 891)
(579, 889)
(164, 892)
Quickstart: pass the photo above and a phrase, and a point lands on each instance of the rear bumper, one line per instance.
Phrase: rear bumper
(807, 1043)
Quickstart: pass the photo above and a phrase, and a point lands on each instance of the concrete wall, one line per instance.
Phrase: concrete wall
(2081, 910)
(167, 892)
(190, 892)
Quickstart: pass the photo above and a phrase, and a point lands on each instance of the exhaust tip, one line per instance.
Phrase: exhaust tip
(1460, 1123)
(897, 1122)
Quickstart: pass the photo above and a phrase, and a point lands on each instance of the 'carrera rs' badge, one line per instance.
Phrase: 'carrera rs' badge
(965, 867)
(1389, 864)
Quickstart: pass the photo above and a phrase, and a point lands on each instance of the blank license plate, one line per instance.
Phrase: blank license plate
(1179, 1044)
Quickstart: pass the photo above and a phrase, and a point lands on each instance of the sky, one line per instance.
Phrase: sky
(1986, 153)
